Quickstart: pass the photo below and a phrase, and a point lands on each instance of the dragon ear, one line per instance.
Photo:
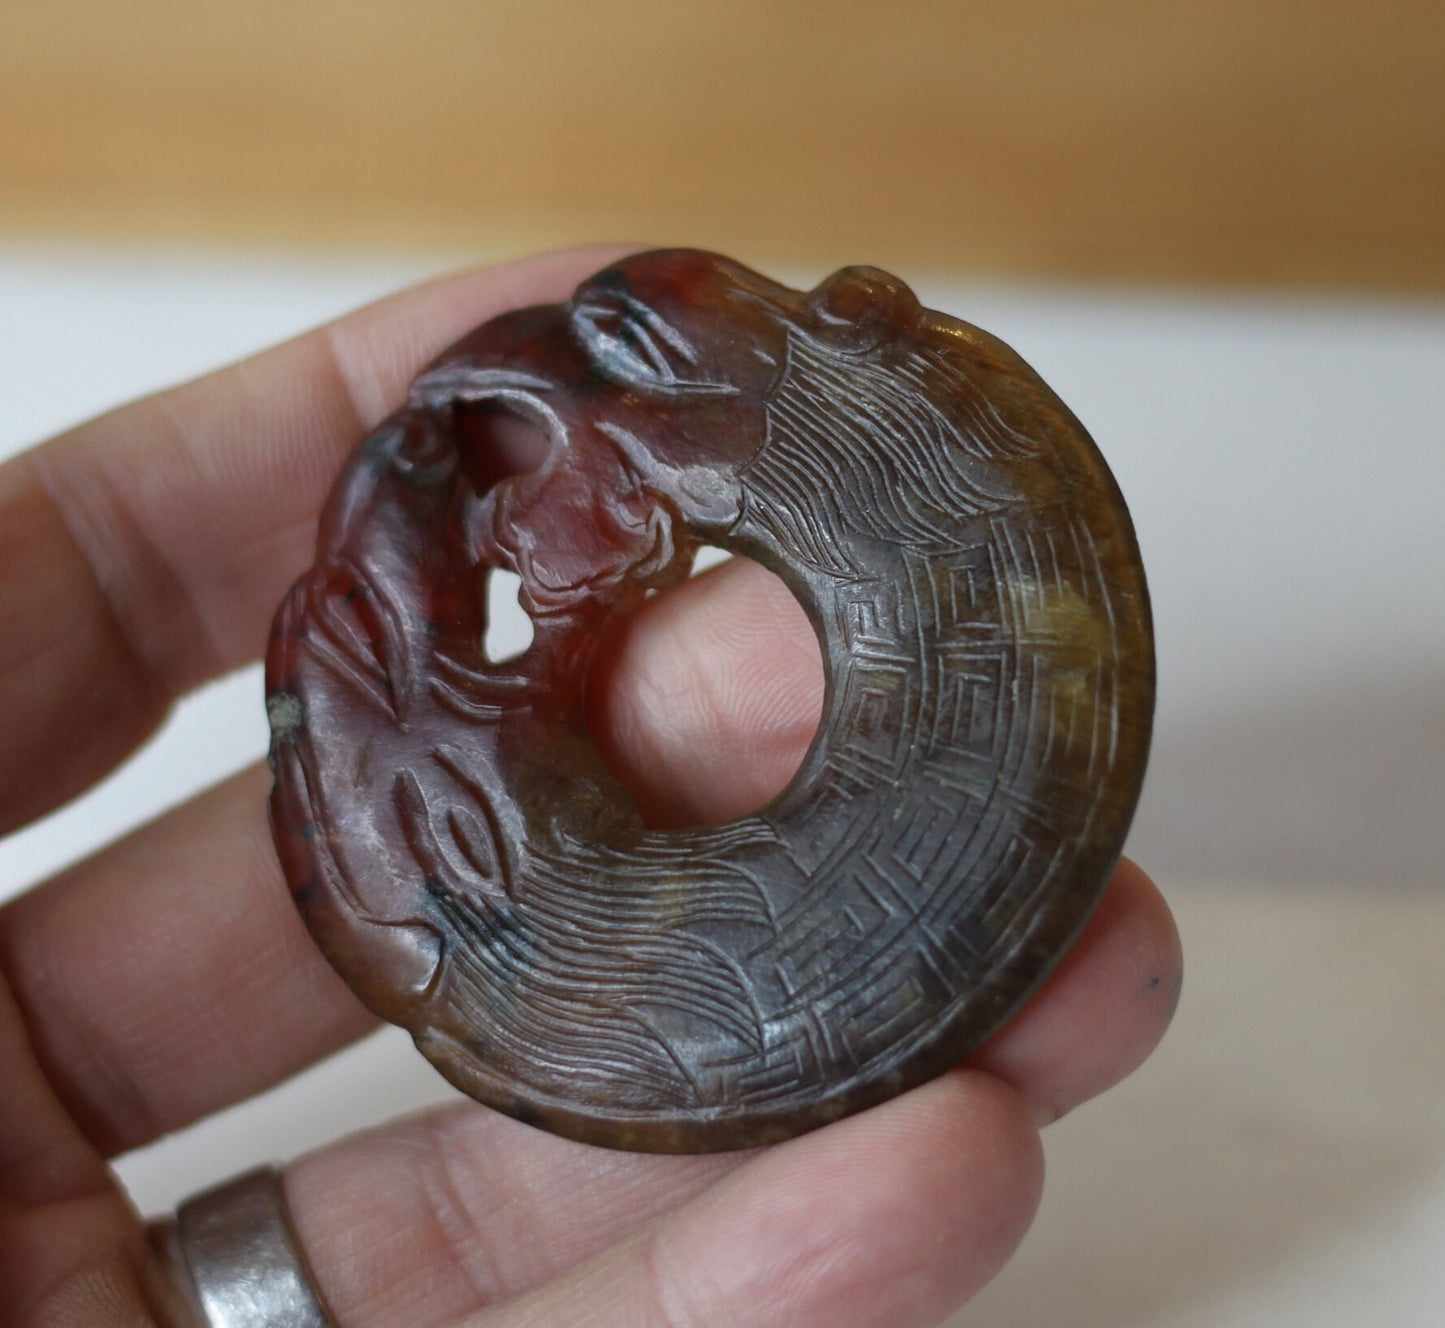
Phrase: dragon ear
(859, 307)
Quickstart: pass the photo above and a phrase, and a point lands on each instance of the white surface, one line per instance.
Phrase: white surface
(1281, 1160)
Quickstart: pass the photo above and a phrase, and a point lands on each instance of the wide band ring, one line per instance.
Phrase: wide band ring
(234, 1256)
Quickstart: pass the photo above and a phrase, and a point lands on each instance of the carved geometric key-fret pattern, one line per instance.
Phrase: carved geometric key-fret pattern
(465, 857)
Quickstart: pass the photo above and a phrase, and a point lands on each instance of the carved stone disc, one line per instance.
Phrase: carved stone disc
(473, 870)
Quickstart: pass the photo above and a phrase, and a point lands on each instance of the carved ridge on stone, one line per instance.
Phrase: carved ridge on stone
(469, 865)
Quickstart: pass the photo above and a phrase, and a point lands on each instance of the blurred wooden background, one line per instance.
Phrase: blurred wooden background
(1296, 142)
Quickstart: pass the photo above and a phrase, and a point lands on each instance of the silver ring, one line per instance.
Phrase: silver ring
(233, 1255)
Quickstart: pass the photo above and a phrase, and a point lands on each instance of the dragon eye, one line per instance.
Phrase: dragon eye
(621, 347)
(630, 342)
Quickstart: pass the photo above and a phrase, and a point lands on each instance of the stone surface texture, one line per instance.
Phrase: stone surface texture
(469, 864)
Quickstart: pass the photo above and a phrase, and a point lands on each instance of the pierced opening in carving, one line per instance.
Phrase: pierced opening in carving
(509, 628)
(705, 702)
(707, 557)
(499, 438)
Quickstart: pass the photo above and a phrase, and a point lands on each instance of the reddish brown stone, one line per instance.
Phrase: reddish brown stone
(470, 866)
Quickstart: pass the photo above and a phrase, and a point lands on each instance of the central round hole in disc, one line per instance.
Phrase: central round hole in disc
(705, 702)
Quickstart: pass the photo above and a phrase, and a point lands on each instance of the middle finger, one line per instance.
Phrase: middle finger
(170, 976)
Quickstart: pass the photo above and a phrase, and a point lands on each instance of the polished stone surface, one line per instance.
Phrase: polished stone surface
(473, 869)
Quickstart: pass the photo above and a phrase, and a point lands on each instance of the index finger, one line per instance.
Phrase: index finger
(146, 550)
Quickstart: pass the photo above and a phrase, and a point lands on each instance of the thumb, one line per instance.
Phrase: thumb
(705, 703)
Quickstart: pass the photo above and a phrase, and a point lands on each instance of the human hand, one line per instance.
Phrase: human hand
(169, 976)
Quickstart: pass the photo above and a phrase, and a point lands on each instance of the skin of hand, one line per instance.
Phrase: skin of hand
(169, 976)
